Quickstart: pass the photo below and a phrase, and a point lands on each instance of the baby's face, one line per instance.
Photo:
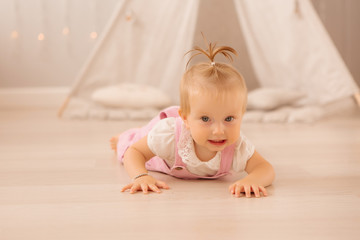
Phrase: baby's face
(214, 122)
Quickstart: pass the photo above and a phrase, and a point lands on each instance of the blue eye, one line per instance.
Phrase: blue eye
(229, 119)
(205, 119)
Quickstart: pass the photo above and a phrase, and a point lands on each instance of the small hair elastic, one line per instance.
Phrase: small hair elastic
(140, 175)
(212, 63)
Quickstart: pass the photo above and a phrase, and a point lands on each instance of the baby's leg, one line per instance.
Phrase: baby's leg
(113, 143)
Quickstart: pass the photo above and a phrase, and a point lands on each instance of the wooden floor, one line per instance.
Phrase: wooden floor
(59, 180)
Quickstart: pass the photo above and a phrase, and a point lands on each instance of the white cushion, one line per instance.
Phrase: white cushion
(253, 116)
(130, 95)
(306, 114)
(272, 98)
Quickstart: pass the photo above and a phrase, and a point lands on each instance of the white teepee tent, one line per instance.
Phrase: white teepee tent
(145, 42)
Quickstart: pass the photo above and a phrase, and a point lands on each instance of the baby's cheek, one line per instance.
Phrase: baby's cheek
(234, 135)
(199, 136)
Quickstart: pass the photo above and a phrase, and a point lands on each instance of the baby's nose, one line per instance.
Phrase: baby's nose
(218, 129)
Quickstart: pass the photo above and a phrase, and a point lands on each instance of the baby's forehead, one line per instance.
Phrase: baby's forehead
(215, 91)
(232, 97)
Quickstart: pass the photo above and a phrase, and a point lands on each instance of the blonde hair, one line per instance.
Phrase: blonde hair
(214, 77)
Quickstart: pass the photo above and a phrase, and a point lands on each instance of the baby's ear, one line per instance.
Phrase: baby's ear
(181, 113)
(183, 117)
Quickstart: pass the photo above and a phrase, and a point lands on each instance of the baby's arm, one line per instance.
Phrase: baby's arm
(260, 175)
(135, 158)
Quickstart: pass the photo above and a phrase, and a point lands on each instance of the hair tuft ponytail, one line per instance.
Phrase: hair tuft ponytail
(211, 51)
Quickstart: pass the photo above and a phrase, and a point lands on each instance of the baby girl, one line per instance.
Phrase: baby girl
(201, 139)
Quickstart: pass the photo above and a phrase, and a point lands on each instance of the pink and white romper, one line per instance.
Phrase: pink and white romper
(158, 164)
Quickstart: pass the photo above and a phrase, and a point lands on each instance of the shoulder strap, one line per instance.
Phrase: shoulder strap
(178, 125)
(172, 111)
(167, 112)
(227, 156)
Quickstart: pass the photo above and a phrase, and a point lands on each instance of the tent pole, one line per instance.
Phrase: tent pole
(63, 106)
(93, 54)
(357, 98)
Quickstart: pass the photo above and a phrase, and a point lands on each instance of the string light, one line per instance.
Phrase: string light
(129, 16)
(94, 10)
(66, 31)
(14, 34)
(44, 21)
(93, 35)
(41, 37)
(297, 8)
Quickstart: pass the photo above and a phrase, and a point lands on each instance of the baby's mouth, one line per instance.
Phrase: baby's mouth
(218, 142)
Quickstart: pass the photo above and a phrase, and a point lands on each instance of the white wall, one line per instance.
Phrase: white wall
(28, 62)
(342, 20)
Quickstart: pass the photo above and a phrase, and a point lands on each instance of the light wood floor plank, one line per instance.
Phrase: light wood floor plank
(60, 180)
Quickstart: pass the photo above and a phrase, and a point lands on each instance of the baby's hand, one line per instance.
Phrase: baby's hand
(242, 186)
(145, 184)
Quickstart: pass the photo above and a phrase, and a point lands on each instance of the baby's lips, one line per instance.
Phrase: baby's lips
(217, 142)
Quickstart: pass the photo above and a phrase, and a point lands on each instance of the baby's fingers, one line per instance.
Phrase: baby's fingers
(126, 187)
(238, 190)
(247, 190)
(263, 190)
(162, 184)
(154, 188)
(256, 190)
(135, 188)
(144, 188)
(235, 190)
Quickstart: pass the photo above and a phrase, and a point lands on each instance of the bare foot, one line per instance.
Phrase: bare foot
(113, 143)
